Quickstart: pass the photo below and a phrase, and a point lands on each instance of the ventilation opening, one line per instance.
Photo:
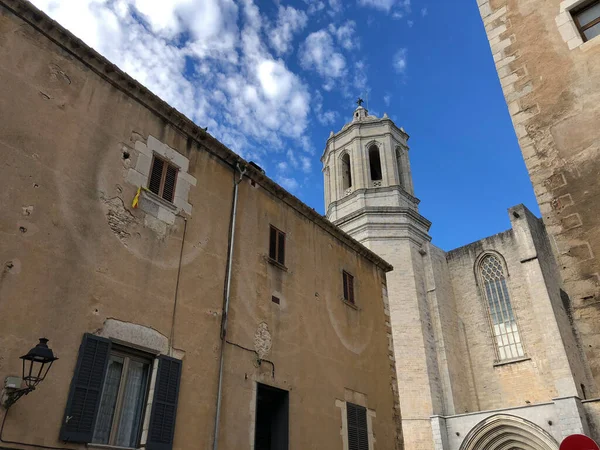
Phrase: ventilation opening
(272, 407)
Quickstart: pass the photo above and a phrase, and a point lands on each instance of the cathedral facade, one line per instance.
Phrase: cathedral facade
(485, 349)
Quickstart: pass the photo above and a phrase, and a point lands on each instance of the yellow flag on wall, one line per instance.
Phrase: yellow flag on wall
(136, 199)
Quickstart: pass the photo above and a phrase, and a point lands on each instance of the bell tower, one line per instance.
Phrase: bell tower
(366, 168)
(369, 195)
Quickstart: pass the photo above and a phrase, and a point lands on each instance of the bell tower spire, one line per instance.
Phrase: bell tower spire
(367, 163)
(369, 194)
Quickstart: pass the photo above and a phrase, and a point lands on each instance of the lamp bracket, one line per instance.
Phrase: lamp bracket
(9, 396)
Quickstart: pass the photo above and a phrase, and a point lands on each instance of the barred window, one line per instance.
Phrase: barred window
(504, 325)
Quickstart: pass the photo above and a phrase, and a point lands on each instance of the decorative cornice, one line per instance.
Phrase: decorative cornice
(355, 193)
(386, 210)
(133, 89)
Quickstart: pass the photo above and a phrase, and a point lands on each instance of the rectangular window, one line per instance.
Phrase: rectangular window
(587, 19)
(163, 177)
(348, 287)
(358, 432)
(277, 245)
(123, 399)
(109, 393)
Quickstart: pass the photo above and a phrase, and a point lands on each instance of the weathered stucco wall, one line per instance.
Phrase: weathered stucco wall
(551, 83)
(75, 254)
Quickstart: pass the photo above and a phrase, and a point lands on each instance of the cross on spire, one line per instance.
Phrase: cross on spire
(360, 101)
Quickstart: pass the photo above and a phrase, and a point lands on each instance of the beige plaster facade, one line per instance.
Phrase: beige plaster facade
(77, 138)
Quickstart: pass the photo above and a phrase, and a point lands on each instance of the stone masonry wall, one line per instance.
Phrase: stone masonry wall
(551, 82)
(505, 385)
(454, 363)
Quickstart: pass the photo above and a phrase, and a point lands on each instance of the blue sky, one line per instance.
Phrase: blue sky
(272, 78)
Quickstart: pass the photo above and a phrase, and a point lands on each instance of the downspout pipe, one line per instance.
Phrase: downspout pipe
(226, 302)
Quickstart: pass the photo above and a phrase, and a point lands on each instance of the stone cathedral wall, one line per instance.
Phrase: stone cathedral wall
(527, 381)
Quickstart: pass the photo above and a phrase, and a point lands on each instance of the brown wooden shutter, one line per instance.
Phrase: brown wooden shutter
(169, 187)
(345, 278)
(164, 405)
(273, 243)
(358, 433)
(281, 248)
(86, 389)
(350, 288)
(156, 175)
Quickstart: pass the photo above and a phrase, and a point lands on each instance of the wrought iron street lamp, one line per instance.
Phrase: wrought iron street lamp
(36, 364)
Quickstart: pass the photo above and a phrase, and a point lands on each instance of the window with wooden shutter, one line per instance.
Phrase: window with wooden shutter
(164, 406)
(348, 287)
(163, 178)
(86, 388)
(109, 393)
(358, 432)
(277, 245)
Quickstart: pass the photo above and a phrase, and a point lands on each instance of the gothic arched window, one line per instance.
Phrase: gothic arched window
(375, 163)
(502, 318)
(346, 172)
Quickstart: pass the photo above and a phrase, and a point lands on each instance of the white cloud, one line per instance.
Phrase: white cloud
(400, 61)
(360, 75)
(314, 6)
(387, 99)
(336, 6)
(346, 35)
(289, 22)
(387, 5)
(318, 53)
(424, 12)
(288, 183)
(306, 164)
(207, 58)
(324, 117)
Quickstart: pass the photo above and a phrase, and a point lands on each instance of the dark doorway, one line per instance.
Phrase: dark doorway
(271, 431)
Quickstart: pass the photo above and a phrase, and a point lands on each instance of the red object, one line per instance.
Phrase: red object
(578, 442)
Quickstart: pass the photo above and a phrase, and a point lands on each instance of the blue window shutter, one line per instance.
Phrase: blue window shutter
(164, 405)
(86, 389)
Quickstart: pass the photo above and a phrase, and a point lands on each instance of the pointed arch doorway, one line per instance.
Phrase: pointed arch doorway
(506, 432)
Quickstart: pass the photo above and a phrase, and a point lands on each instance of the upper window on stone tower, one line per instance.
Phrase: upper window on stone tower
(375, 163)
(346, 172)
(504, 325)
(399, 164)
